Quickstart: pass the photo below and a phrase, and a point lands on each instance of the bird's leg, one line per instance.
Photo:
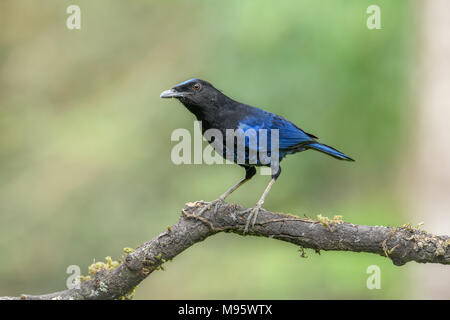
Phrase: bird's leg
(221, 198)
(249, 174)
(254, 211)
(232, 189)
(276, 171)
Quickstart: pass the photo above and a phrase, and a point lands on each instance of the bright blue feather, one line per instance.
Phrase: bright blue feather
(290, 136)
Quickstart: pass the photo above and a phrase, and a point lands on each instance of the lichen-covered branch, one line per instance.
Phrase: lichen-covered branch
(401, 245)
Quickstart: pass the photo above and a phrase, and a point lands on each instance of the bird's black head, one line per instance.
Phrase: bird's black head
(197, 95)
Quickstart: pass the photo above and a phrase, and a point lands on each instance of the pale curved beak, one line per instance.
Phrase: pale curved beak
(171, 93)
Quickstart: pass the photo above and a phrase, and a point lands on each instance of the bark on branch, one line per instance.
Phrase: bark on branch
(401, 245)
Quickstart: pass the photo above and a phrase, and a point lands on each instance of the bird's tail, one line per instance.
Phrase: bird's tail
(328, 150)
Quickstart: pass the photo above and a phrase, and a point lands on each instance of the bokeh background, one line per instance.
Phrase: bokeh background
(85, 146)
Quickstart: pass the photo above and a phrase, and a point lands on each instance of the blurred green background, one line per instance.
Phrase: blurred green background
(85, 146)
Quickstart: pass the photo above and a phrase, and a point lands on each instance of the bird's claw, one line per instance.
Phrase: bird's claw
(208, 206)
(253, 214)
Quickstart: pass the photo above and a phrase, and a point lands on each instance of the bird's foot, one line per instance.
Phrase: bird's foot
(209, 205)
(253, 214)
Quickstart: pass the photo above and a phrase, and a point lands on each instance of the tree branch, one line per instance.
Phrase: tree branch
(401, 245)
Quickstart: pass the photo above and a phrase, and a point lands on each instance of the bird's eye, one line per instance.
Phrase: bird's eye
(196, 86)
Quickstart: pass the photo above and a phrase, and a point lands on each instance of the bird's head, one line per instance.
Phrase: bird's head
(194, 92)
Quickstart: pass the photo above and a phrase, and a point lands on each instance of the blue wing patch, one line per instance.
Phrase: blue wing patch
(289, 135)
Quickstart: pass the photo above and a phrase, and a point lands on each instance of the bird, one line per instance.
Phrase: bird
(217, 111)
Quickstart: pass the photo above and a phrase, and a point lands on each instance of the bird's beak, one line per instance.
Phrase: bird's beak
(171, 93)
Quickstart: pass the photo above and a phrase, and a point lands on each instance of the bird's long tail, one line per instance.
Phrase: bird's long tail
(328, 150)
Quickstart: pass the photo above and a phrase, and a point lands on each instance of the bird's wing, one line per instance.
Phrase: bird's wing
(290, 136)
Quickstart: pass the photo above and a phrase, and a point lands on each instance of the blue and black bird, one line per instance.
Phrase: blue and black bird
(217, 111)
